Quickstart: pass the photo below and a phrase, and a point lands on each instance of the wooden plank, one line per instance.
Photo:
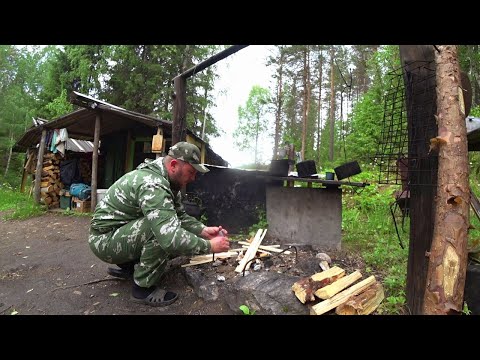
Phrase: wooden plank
(96, 141)
(252, 250)
(341, 297)
(217, 255)
(203, 259)
(272, 248)
(197, 263)
(328, 291)
(258, 250)
(38, 170)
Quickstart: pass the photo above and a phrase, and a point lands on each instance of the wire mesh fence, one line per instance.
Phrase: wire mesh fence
(401, 157)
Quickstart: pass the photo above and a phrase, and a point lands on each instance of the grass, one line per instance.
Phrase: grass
(376, 239)
(18, 205)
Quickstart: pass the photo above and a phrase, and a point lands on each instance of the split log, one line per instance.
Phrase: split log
(341, 297)
(305, 288)
(48, 168)
(47, 189)
(364, 303)
(328, 291)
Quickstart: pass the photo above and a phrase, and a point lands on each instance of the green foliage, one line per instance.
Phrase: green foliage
(261, 224)
(473, 246)
(18, 205)
(376, 239)
(246, 310)
(393, 305)
(366, 126)
(60, 105)
(466, 310)
(253, 121)
(475, 111)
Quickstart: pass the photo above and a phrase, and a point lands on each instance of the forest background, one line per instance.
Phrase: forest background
(326, 100)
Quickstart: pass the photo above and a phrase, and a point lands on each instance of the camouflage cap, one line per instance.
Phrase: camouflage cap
(189, 153)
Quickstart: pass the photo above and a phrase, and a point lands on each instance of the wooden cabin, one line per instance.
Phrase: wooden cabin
(123, 139)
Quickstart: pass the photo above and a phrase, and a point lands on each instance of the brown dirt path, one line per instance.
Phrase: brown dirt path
(45, 265)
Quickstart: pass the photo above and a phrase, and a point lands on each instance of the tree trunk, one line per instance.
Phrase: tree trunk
(256, 141)
(319, 121)
(332, 105)
(9, 154)
(306, 98)
(448, 254)
(279, 105)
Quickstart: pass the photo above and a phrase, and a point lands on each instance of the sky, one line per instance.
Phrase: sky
(238, 73)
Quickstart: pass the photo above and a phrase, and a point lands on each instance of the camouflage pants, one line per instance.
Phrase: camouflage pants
(133, 241)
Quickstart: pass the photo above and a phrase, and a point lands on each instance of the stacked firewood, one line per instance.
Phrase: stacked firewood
(51, 185)
(85, 170)
(336, 291)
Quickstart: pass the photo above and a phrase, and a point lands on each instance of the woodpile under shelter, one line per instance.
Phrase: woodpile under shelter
(121, 139)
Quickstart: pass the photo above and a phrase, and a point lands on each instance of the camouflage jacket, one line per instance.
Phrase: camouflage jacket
(145, 192)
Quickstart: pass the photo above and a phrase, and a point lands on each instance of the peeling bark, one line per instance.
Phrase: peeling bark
(448, 254)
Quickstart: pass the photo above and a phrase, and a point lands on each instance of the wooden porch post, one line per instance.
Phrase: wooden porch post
(179, 122)
(179, 109)
(24, 174)
(96, 140)
(38, 170)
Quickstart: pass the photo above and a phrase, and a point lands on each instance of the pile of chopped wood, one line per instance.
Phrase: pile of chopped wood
(50, 184)
(334, 288)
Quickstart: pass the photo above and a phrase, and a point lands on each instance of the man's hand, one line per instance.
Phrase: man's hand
(213, 231)
(219, 244)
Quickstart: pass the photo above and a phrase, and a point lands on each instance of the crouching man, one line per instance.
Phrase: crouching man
(140, 223)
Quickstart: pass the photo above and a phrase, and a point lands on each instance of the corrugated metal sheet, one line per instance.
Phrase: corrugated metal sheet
(79, 145)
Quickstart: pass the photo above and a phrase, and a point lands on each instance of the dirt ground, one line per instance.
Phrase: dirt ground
(46, 267)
